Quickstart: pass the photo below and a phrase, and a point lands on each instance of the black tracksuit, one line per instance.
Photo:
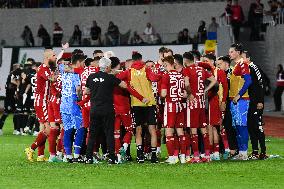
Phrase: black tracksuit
(255, 123)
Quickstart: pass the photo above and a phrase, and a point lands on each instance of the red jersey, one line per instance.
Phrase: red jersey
(43, 82)
(79, 70)
(55, 88)
(173, 82)
(156, 86)
(84, 74)
(197, 76)
(241, 69)
(221, 77)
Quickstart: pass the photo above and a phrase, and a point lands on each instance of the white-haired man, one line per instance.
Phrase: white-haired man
(100, 86)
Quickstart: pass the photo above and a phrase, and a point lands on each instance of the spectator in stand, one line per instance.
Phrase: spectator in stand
(213, 26)
(202, 33)
(228, 11)
(236, 19)
(255, 19)
(183, 37)
(149, 33)
(43, 34)
(57, 35)
(113, 34)
(96, 32)
(27, 36)
(180, 38)
(31, 3)
(62, 3)
(136, 39)
(77, 36)
(279, 88)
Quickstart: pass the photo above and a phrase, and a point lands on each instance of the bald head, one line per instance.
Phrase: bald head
(49, 57)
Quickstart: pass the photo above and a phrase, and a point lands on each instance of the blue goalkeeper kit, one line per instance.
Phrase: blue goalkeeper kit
(71, 113)
(240, 80)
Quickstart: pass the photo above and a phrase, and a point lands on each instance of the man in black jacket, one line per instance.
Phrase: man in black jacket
(255, 122)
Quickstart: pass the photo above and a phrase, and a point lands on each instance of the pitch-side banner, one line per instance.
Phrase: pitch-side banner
(123, 53)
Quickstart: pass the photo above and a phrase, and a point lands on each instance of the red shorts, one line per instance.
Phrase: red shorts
(86, 116)
(173, 115)
(54, 115)
(40, 106)
(125, 120)
(214, 113)
(196, 118)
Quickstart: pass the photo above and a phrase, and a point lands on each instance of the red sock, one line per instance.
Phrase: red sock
(216, 147)
(194, 143)
(182, 144)
(176, 143)
(147, 143)
(117, 141)
(224, 139)
(206, 144)
(60, 141)
(159, 134)
(40, 140)
(211, 148)
(40, 151)
(127, 138)
(170, 145)
(187, 141)
(52, 140)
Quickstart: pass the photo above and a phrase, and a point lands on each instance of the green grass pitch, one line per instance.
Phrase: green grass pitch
(17, 172)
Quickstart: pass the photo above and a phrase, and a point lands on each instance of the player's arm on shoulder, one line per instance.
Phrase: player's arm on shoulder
(123, 85)
(152, 76)
(213, 81)
(187, 85)
(123, 75)
(163, 93)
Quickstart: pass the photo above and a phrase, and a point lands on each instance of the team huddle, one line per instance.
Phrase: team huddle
(90, 109)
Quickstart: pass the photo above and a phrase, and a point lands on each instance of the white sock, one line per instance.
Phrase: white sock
(59, 154)
(76, 155)
(41, 156)
(227, 150)
(51, 156)
(69, 156)
(125, 146)
(159, 149)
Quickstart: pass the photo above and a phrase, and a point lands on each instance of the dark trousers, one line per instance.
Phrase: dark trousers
(230, 131)
(101, 122)
(255, 128)
(277, 97)
(236, 29)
